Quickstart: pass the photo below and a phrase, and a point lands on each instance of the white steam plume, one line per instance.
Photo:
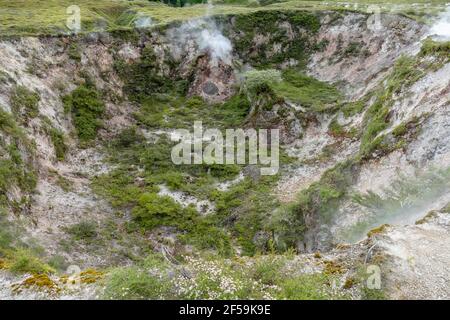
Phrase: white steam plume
(206, 35)
(142, 22)
(441, 28)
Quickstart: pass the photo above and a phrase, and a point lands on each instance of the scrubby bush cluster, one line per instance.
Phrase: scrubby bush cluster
(24, 103)
(86, 106)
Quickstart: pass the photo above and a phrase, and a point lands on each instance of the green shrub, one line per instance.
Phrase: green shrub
(400, 130)
(87, 108)
(260, 81)
(24, 261)
(58, 263)
(373, 294)
(153, 210)
(129, 137)
(309, 92)
(205, 234)
(85, 230)
(117, 187)
(9, 126)
(136, 284)
(436, 48)
(25, 102)
(267, 270)
(14, 169)
(306, 287)
(74, 52)
(59, 144)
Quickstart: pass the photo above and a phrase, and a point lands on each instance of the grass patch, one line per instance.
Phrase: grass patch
(59, 144)
(24, 261)
(307, 91)
(306, 287)
(165, 111)
(435, 48)
(136, 283)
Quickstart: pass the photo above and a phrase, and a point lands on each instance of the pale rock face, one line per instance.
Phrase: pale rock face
(417, 259)
(381, 47)
(213, 82)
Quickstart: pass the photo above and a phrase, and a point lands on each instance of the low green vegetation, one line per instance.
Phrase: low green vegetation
(446, 209)
(292, 85)
(336, 129)
(260, 81)
(306, 287)
(15, 168)
(407, 71)
(24, 103)
(262, 277)
(436, 48)
(8, 240)
(59, 144)
(74, 52)
(309, 92)
(9, 126)
(84, 230)
(244, 208)
(151, 210)
(15, 254)
(354, 107)
(341, 131)
(136, 283)
(57, 138)
(86, 106)
(25, 261)
(167, 112)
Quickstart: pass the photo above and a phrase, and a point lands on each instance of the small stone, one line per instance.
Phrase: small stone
(210, 88)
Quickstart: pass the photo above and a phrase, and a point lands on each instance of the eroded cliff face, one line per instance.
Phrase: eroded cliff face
(208, 58)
